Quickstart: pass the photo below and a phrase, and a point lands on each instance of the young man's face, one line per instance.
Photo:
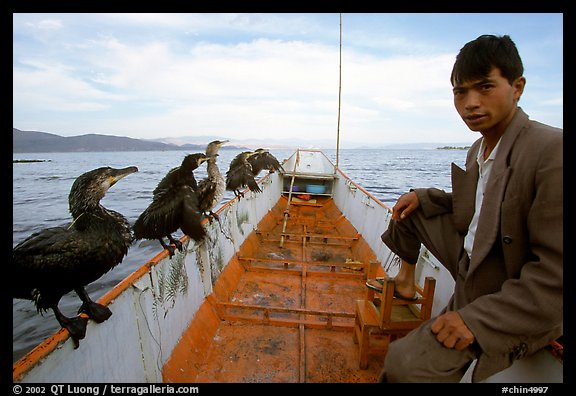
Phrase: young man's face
(488, 104)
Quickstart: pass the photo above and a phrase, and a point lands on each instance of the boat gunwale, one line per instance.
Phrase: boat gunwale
(44, 348)
(34, 356)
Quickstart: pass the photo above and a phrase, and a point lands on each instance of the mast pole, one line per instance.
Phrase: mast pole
(339, 96)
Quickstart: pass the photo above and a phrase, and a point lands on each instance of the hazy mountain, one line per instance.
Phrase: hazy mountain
(288, 143)
(43, 142)
(292, 143)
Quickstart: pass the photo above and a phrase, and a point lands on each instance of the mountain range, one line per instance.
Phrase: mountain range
(44, 142)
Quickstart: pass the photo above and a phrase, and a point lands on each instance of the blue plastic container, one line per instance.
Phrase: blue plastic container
(316, 188)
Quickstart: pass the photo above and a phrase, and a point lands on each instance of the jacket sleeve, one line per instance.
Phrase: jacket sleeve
(434, 201)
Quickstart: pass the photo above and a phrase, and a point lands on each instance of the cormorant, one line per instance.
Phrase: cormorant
(240, 174)
(174, 205)
(211, 189)
(264, 160)
(52, 262)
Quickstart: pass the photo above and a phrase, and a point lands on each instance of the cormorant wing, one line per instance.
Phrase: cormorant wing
(161, 217)
(169, 180)
(43, 241)
(205, 189)
(191, 216)
(264, 160)
(237, 161)
(240, 177)
(54, 254)
(252, 185)
(235, 177)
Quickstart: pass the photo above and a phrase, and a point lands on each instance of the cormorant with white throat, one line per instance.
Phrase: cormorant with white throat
(211, 189)
(52, 262)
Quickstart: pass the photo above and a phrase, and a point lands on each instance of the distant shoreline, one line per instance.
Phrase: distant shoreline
(453, 148)
(28, 160)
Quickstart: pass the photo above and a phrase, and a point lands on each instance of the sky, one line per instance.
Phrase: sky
(267, 76)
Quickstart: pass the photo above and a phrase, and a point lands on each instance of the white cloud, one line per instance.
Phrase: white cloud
(53, 88)
(46, 24)
(287, 88)
(241, 75)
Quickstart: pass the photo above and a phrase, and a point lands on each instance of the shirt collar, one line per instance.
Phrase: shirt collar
(480, 155)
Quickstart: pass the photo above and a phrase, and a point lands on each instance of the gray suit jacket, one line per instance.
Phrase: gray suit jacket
(511, 293)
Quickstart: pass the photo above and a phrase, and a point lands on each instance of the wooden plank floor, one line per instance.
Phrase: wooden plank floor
(286, 310)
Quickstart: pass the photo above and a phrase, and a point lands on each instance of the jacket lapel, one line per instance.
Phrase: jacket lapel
(464, 193)
(489, 223)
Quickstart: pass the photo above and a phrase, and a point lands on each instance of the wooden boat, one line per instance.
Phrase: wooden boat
(270, 296)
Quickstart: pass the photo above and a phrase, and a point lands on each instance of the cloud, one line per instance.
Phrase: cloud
(42, 87)
(46, 24)
(241, 75)
(247, 89)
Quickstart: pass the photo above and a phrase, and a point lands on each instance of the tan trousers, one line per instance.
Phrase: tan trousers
(419, 357)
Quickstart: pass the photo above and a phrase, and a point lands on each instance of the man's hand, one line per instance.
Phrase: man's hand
(452, 332)
(405, 205)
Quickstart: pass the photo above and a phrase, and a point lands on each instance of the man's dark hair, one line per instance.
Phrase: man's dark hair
(477, 58)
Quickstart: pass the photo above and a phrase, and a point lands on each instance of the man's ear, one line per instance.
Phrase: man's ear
(518, 86)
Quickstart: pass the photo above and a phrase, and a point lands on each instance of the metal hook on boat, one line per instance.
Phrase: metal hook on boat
(351, 186)
(366, 200)
(426, 257)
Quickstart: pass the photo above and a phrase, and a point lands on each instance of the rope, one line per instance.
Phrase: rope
(287, 210)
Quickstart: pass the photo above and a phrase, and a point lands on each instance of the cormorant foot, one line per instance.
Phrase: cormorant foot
(214, 216)
(76, 327)
(171, 250)
(176, 242)
(97, 312)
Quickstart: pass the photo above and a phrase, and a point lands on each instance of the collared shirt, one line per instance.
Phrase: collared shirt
(485, 168)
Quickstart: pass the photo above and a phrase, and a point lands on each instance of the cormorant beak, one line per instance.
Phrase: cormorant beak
(222, 142)
(118, 174)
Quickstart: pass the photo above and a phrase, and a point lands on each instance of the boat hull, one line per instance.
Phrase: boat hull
(168, 316)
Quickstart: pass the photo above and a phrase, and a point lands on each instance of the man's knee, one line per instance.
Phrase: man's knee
(396, 363)
(419, 357)
(400, 239)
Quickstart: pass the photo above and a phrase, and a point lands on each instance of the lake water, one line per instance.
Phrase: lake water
(40, 200)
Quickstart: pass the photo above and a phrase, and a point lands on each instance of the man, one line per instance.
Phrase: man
(499, 232)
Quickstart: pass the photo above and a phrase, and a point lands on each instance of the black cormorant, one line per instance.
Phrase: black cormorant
(262, 159)
(52, 262)
(211, 189)
(174, 205)
(240, 174)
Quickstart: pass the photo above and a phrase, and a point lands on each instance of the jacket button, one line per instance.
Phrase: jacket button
(507, 240)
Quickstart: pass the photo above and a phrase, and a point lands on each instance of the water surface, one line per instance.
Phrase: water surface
(40, 200)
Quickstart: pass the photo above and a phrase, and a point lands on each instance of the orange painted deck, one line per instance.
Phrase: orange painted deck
(283, 308)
